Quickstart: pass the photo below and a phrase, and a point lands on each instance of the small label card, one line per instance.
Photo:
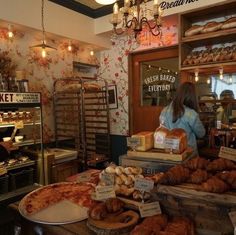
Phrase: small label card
(133, 142)
(172, 143)
(104, 192)
(83, 177)
(149, 209)
(19, 125)
(143, 184)
(232, 216)
(228, 153)
(108, 179)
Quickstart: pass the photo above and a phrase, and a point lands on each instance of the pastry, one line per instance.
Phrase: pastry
(157, 178)
(221, 164)
(230, 23)
(111, 169)
(196, 163)
(114, 205)
(118, 180)
(214, 185)
(195, 29)
(228, 177)
(199, 176)
(137, 195)
(119, 170)
(99, 211)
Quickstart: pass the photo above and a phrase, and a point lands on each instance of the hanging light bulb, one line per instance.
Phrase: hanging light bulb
(10, 32)
(208, 81)
(230, 80)
(221, 71)
(43, 53)
(92, 53)
(196, 76)
(69, 48)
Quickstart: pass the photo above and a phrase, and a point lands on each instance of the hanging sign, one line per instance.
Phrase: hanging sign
(11, 97)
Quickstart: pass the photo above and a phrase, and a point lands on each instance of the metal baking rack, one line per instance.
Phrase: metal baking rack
(82, 119)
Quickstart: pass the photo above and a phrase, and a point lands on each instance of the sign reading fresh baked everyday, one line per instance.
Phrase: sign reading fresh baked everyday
(227, 153)
(8, 97)
(167, 5)
(149, 209)
(143, 184)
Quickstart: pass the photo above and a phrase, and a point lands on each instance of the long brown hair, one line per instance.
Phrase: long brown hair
(185, 95)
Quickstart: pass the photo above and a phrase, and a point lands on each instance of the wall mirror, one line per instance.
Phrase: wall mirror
(159, 80)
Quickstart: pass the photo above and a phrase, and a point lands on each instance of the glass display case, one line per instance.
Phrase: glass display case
(21, 124)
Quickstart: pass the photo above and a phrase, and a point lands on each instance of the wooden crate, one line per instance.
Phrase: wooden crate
(160, 155)
(209, 211)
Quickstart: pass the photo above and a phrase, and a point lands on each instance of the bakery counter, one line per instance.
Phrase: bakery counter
(209, 211)
(31, 228)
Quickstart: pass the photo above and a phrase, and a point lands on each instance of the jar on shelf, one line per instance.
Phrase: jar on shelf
(21, 116)
(5, 118)
(13, 117)
(28, 117)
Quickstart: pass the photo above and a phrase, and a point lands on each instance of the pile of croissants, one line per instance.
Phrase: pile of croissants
(161, 225)
(212, 55)
(217, 176)
(124, 181)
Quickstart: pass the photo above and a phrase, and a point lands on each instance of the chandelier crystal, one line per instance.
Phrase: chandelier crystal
(134, 17)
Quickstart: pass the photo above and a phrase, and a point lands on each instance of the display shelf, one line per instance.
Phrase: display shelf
(20, 165)
(27, 142)
(212, 68)
(25, 124)
(218, 37)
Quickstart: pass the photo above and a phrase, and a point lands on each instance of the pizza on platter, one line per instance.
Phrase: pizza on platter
(78, 193)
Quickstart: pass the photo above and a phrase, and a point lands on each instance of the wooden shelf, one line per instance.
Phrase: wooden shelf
(212, 68)
(221, 36)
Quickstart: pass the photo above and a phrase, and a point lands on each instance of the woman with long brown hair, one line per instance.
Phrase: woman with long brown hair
(182, 112)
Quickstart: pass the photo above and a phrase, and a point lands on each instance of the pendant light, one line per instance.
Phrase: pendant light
(44, 46)
(105, 2)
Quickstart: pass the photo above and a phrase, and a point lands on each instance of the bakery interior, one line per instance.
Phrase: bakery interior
(82, 87)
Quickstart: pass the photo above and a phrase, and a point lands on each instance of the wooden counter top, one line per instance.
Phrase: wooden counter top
(31, 228)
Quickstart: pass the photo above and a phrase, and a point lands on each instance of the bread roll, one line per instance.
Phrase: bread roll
(98, 212)
(118, 180)
(195, 29)
(211, 27)
(114, 205)
(111, 169)
(128, 181)
(230, 23)
(119, 170)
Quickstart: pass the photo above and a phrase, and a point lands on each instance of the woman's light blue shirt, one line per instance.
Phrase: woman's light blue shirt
(190, 122)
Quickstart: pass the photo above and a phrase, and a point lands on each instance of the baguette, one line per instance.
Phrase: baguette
(230, 23)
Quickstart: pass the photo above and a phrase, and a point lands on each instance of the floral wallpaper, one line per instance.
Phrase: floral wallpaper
(114, 68)
(42, 72)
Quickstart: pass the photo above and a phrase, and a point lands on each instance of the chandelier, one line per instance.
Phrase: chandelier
(134, 17)
(43, 45)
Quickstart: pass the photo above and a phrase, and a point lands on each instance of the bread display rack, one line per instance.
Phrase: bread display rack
(82, 118)
(214, 28)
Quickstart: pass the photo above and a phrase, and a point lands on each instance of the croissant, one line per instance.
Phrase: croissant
(114, 205)
(214, 185)
(199, 176)
(196, 163)
(160, 220)
(98, 212)
(157, 177)
(175, 175)
(221, 164)
(228, 177)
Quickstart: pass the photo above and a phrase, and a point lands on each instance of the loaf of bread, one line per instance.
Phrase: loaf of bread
(199, 176)
(228, 177)
(146, 138)
(211, 27)
(221, 164)
(180, 136)
(214, 185)
(195, 29)
(196, 163)
(230, 23)
(159, 137)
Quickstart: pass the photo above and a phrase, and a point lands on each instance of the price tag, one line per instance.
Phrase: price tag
(108, 179)
(19, 125)
(133, 142)
(149, 209)
(104, 192)
(143, 184)
(83, 177)
(172, 143)
(232, 216)
(228, 153)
